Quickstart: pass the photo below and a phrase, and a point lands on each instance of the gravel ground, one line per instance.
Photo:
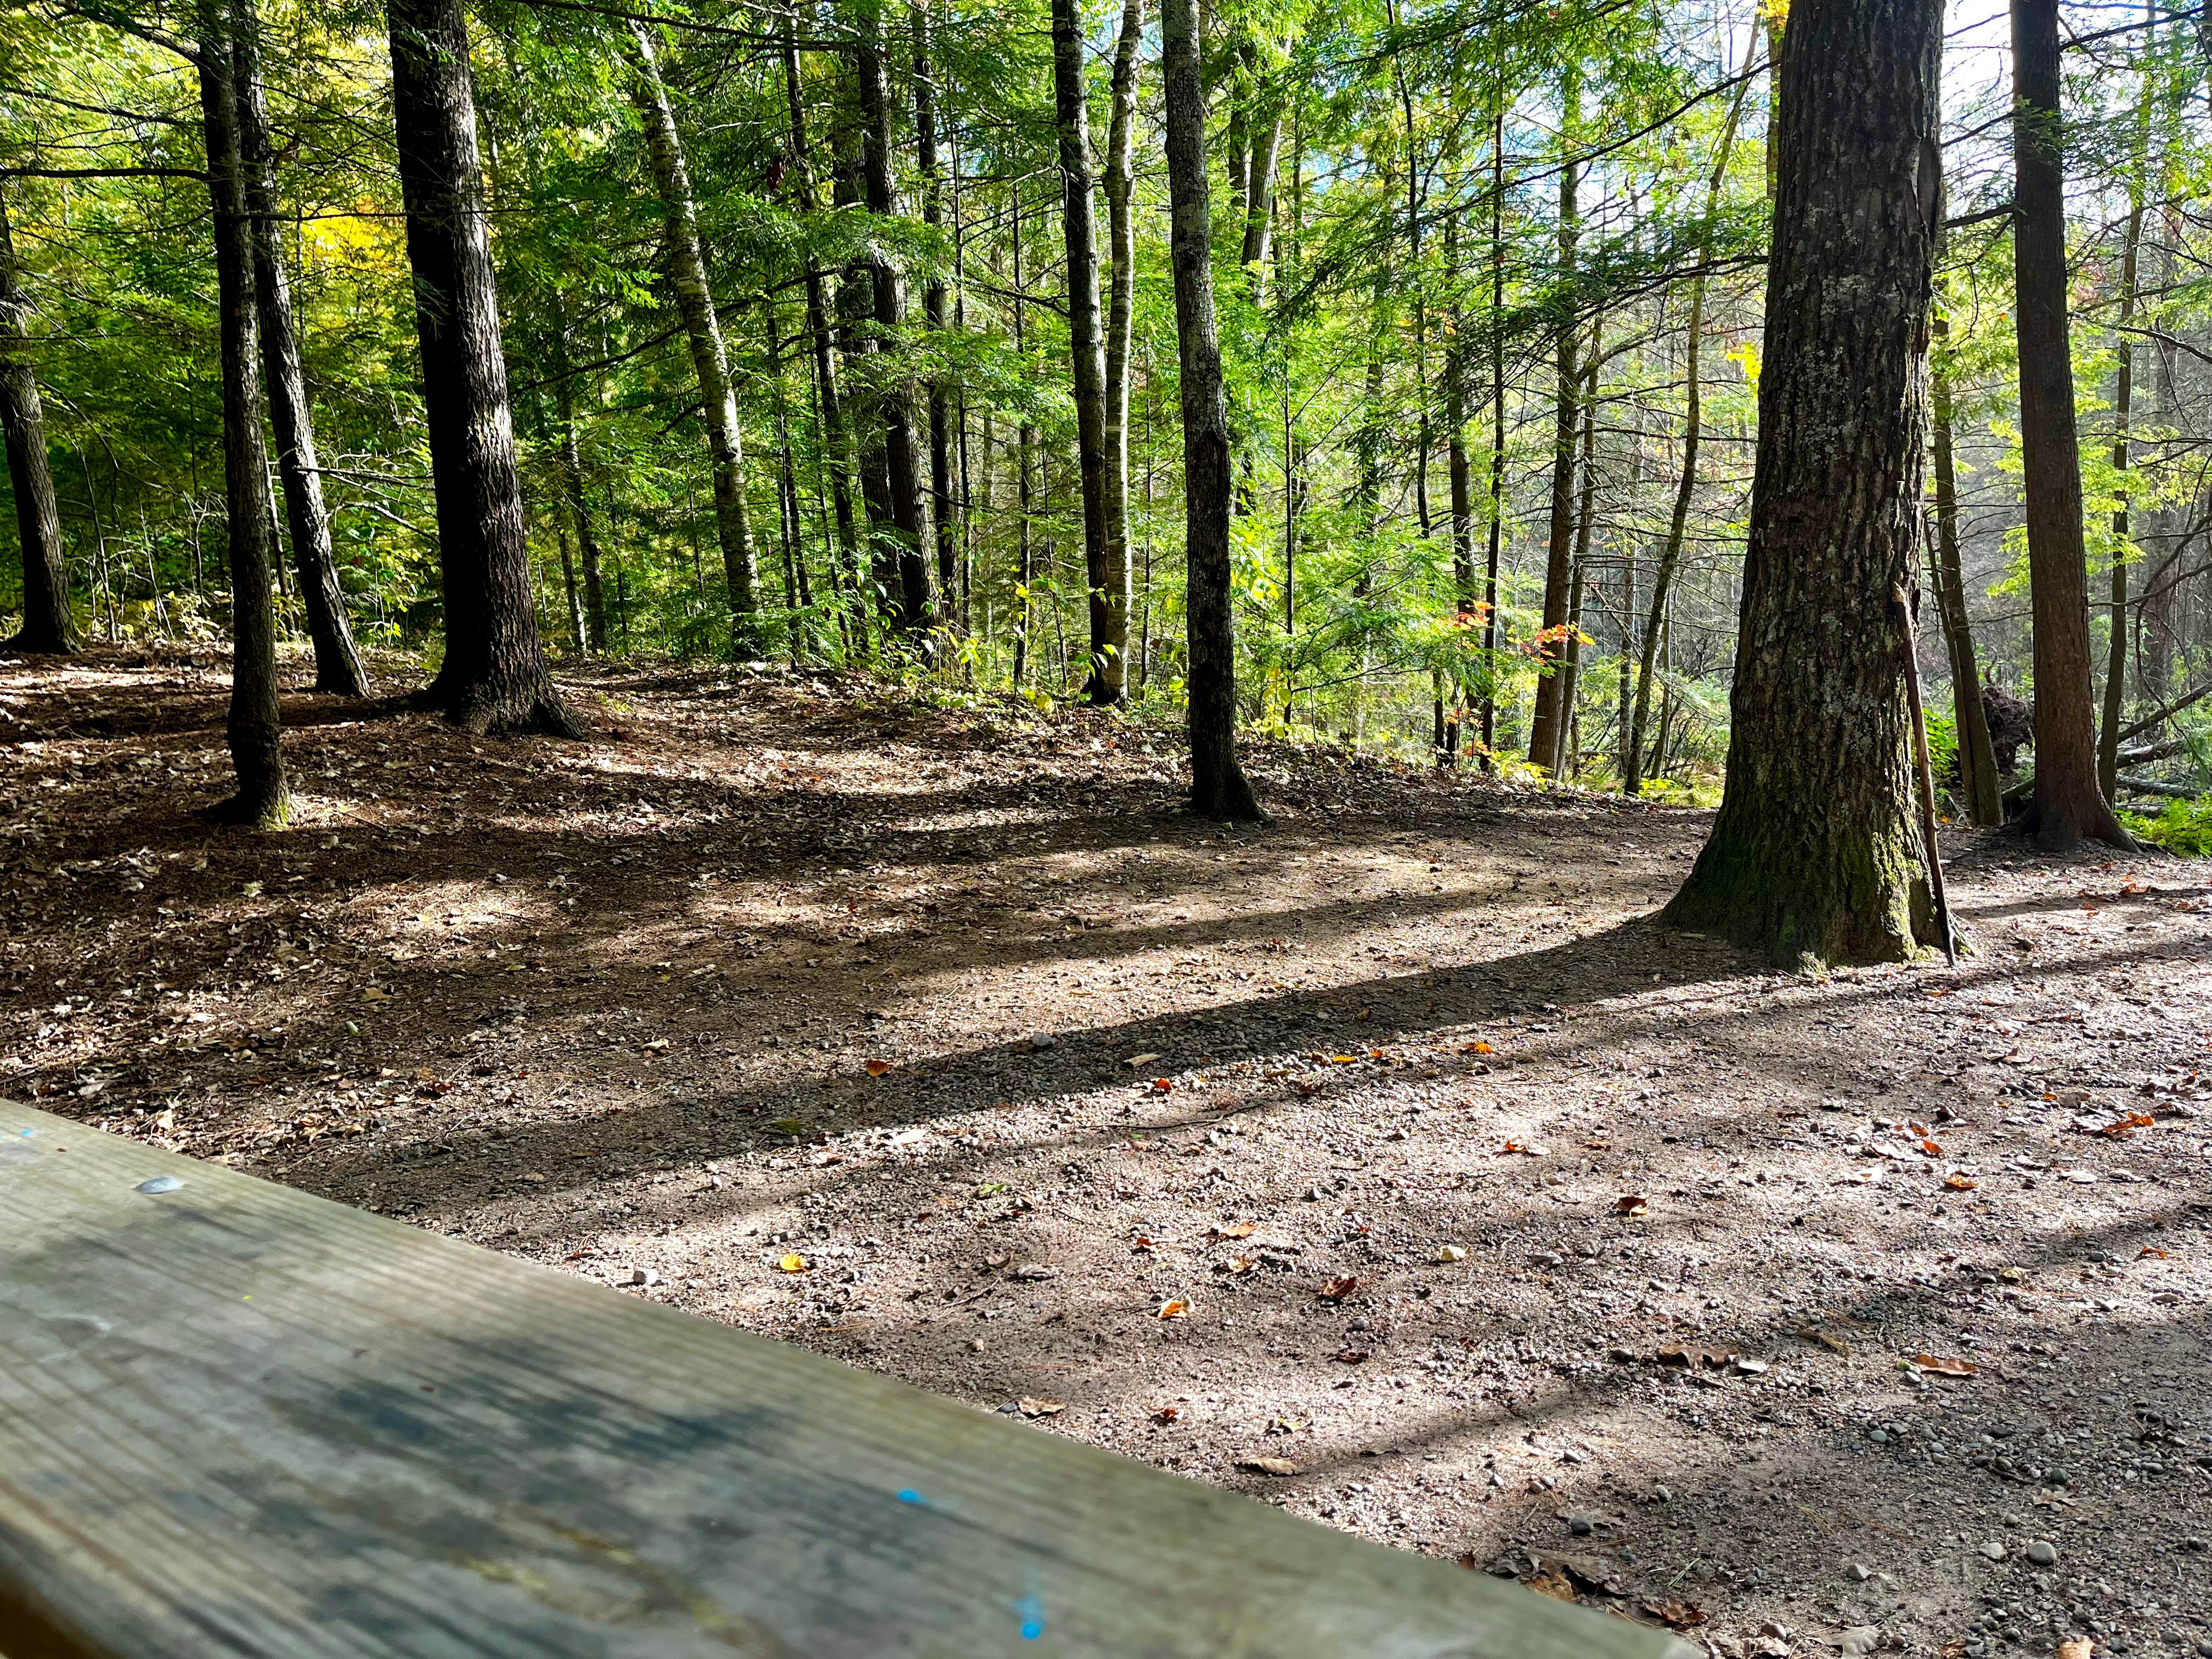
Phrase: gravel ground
(1386, 1162)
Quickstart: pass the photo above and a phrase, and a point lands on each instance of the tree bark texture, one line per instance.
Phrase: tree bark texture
(252, 727)
(493, 678)
(710, 357)
(47, 624)
(1219, 788)
(2116, 654)
(838, 460)
(916, 612)
(1813, 855)
(338, 667)
(2067, 806)
(594, 636)
(1087, 347)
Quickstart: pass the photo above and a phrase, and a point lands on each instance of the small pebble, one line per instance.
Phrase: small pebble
(1994, 1550)
(2043, 1552)
(1857, 1574)
(1043, 1040)
(1580, 1525)
(645, 1275)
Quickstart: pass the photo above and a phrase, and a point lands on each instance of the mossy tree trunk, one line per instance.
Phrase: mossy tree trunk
(1814, 853)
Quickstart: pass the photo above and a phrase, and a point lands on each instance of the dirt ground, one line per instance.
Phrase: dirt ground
(1387, 1162)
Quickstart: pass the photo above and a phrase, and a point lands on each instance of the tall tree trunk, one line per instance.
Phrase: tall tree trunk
(1219, 788)
(2116, 656)
(1814, 853)
(339, 668)
(932, 303)
(1670, 557)
(263, 798)
(1571, 647)
(837, 452)
(2068, 805)
(1558, 562)
(710, 360)
(46, 625)
(909, 504)
(1977, 760)
(575, 612)
(493, 678)
(1121, 311)
(1496, 429)
(1109, 623)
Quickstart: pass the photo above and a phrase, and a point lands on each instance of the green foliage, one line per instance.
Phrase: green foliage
(2182, 827)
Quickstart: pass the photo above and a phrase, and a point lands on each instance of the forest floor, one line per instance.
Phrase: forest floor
(1387, 1162)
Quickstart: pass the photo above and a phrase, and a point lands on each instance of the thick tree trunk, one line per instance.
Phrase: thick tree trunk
(1219, 788)
(916, 613)
(263, 800)
(2068, 805)
(1559, 562)
(338, 667)
(710, 358)
(46, 624)
(1121, 311)
(1813, 855)
(1110, 621)
(1977, 760)
(932, 303)
(493, 678)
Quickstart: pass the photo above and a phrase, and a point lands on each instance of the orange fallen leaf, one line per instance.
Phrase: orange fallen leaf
(1337, 1289)
(1161, 1085)
(1476, 1049)
(1931, 1149)
(1957, 1183)
(877, 1067)
(2149, 1251)
(1167, 1413)
(1280, 1467)
(1237, 1266)
(1936, 1367)
(1352, 1356)
(792, 1263)
(1175, 1309)
(1234, 1230)
(1632, 1204)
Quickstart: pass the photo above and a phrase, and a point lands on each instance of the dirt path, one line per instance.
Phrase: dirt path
(1386, 1162)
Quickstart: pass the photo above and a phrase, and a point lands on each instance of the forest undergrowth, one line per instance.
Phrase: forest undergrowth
(1386, 1161)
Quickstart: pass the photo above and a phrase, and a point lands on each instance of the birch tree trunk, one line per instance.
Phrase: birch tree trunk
(2067, 806)
(710, 358)
(47, 624)
(933, 303)
(1219, 788)
(493, 678)
(1815, 855)
(263, 800)
(338, 667)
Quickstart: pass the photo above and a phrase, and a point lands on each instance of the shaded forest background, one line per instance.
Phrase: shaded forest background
(1490, 280)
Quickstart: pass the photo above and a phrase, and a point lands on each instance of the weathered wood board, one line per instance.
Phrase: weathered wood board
(236, 1419)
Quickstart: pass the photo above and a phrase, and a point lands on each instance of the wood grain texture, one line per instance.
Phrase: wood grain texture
(237, 1419)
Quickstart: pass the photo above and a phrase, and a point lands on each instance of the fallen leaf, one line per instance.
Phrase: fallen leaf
(1352, 1356)
(2148, 1251)
(1337, 1289)
(1235, 1265)
(1476, 1049)
(790, 1126)
(1175, 1309)
(1167, 1413)
(1957, 1183)
(1277, 1467)
(1931, 1148)
(1135, 1061)
(1234, 1230)
(2079, 1647)
(1343, 1060)
(1528, 1150)
(1632, 1204)
(997, 1259)
(1675, 1615)
(1691, 1355)
(1450, 1253)
(1936, 1367)
(1554, 1583)
(1833, 1345)
(1034, 1407)
(1163, 1086)
(792, 1262)
(877, 1067)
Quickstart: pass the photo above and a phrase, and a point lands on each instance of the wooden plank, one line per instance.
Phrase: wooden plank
(237, 1419)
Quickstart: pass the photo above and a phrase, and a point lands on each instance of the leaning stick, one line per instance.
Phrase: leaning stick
(1901, 609)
